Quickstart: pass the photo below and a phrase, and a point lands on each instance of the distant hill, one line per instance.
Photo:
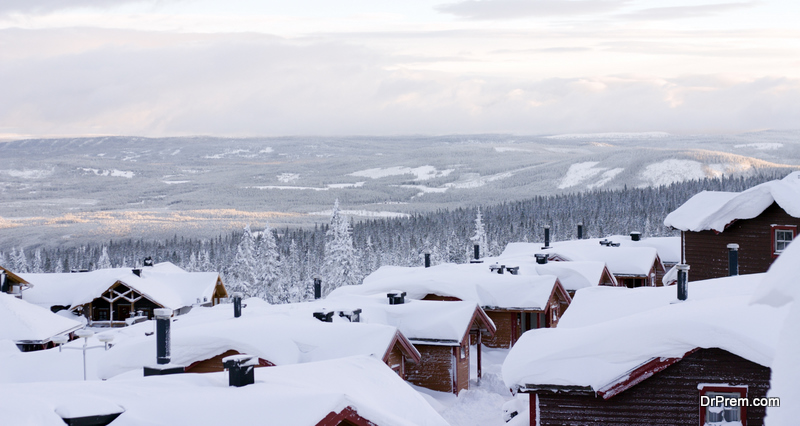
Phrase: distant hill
(73, 190)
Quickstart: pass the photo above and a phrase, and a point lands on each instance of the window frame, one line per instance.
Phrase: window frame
(774, 233)
(723, 388)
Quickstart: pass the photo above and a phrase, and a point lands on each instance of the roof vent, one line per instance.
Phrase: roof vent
(513, 270)
(608, 243)
(541, 258)
(352, 316)
(397, 297)
(546, 237)
(240, 369)
(148, 261)
(137, 272)
(324, 315)
(497, 268)
(636, 236)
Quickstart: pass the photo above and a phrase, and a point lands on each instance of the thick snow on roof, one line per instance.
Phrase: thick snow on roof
(621, 260)
(572, 275)
(300, 394)
(470, 282)
(163, 283)
(596, 355)
(418, 320)
(598, 304)
(207, 332)
(714, 210)
(779, 288)
(22, 321)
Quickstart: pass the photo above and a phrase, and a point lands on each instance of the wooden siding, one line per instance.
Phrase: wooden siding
(396, 361)
(462, 368)
(435, 369)
(214, 364)
(706, 252)
(670, 397)
(503, 337)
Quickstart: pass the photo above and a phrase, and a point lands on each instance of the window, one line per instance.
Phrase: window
(782, 235)
(723, 405)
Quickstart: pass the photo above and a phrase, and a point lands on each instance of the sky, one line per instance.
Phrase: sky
(377, 67)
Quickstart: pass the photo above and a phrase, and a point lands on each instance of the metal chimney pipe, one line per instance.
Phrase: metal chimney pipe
(162, 334)
(580, 230)
(477, 251)
(733, 259)
(683, 281)
(546, 236)
(237, 305)
(427, 260)
(317, 288)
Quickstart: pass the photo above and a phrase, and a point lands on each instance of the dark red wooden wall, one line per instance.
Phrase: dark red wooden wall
(707, 252)
(670, 397)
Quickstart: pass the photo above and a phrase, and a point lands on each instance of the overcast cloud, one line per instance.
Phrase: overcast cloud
(516, 9)
(383, 67)
(259, 85)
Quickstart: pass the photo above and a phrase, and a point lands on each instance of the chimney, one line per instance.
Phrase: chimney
(353, 316)
(162, 335)
(427, 260)
(541, 258)
(3, 282)
(546, 237)
(397, 297)
(237, 305)
(324, 315)
(241, 369)
(683, 278)
(580, 230)
(636, 236)
(148, 261)
(137, 272)
(317, 288)
(733, 259)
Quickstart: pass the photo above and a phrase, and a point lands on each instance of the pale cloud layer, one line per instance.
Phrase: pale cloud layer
(634, 65)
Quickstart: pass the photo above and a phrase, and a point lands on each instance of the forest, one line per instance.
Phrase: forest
(279, 265)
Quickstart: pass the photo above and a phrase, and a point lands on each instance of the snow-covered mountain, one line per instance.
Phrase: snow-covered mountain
(120, 186)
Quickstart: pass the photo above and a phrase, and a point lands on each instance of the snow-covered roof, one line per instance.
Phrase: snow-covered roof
(622, 260)
(163, 283)
(597, 351)
(779, 288)
(207, 332)
(301, 394)
(24, 322)
(712, 210)
(421, 321)
(469, 282)
(572, 275)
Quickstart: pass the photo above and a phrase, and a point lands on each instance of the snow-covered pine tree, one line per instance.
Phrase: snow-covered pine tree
(268, 269)
(480, 234)
(38, 264)
(191, 266)
(104, 262)
(243, 271)
(341, 265)
(19, 262)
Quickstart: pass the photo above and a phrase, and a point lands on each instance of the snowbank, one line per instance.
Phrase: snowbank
(300, 394)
